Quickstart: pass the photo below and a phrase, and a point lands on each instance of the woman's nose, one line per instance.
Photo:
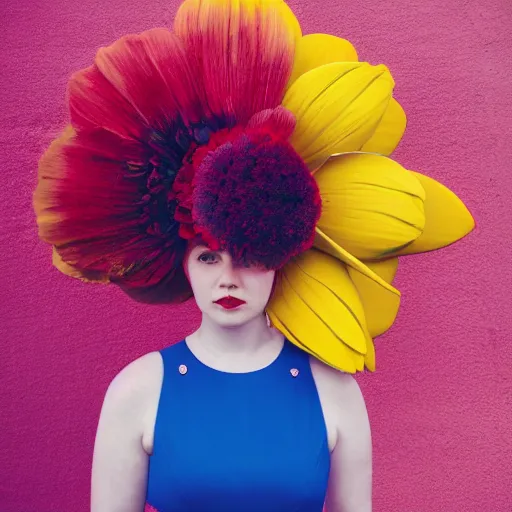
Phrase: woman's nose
(229, 278)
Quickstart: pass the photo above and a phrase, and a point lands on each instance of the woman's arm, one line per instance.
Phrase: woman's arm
(120, 464)
(350, 480)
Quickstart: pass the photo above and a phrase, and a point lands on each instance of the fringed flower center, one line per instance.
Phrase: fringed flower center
(248, 192)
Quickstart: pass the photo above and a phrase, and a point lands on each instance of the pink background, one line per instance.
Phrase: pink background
(440, 401)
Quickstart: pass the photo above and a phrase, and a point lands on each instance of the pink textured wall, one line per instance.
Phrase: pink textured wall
(440, 401)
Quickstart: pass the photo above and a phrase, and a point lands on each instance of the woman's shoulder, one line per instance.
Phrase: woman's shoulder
(333, 385)
(134, 376)
(341, 391)
(137, 382)
(328, 373)
(143, 376)
(138, 385)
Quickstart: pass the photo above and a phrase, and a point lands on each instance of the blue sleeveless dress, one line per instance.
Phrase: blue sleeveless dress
(238, 442)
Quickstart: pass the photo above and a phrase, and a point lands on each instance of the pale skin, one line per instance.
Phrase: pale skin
(232, 341)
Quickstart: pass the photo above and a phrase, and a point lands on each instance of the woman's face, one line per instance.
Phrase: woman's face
(213, 276)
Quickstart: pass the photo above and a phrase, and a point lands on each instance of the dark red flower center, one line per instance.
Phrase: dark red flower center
(248, 192)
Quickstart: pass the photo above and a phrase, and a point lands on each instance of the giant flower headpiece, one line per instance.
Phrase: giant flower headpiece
(274, 146)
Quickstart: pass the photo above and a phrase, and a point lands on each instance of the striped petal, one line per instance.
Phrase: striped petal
(68, 270)
(93, 205)
(241, 51)
(315, 50)
(369, 358)
(95, 103)
(150, 71)
(329, 246)
(380, 307)
(447, 218)
(371, 206)
(338, 107)
(318, 308)
(368, 283)
(389, 131)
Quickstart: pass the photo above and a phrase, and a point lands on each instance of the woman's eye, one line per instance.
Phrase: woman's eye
(207, 257)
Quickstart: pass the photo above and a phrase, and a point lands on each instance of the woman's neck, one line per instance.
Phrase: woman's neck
(253, 344)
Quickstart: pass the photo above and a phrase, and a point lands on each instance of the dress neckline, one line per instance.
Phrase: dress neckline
(253, 372)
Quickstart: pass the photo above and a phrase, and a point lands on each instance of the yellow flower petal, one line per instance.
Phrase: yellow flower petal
(389, 131)
(338, 107)
(380, 307)
(369, 358)
(369, 281)
(318, 308)
(447, 218)
(386, 269)
(371, 205)
(329, 246)
(324, 284)
(315, 50)
(288, 15)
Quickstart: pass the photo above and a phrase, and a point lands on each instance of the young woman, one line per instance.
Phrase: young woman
(233, 418)
(235, 160)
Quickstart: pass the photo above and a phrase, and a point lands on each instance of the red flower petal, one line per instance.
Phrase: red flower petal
(95, 103)
(150, 70)
(92, 203)
(242, 51)
(277, 121)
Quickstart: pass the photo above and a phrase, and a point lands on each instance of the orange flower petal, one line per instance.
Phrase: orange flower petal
(241, 51)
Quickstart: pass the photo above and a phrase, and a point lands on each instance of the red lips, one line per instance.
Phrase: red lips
(229, 302)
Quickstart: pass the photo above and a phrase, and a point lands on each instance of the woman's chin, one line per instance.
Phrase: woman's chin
(231, 317)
